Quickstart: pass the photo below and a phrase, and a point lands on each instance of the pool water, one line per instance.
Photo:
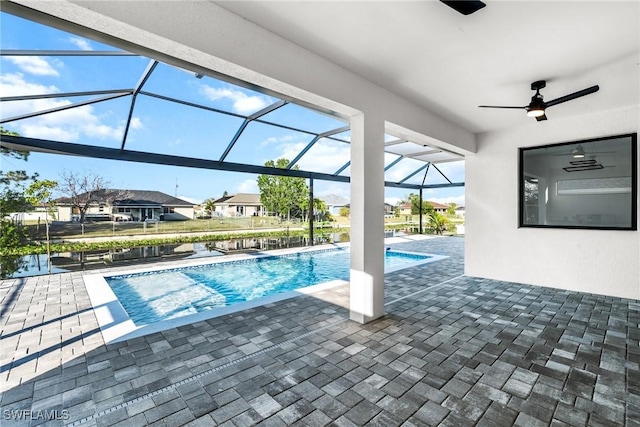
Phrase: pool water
(155, 296)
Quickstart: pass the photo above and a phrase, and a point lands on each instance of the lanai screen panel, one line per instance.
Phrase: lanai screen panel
(96, 95)
(325, 156)
(172, 128)
(184, 85)
(260, 142)
(298, 117)
(403, 169)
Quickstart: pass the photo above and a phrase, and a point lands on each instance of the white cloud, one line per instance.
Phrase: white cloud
(324, 156)
(136, 123)
(34, 65)
(242, 103)
(13, 84)
(248, 186)
(82, 44)
(66, 125)
(277, 140)
(42, 131)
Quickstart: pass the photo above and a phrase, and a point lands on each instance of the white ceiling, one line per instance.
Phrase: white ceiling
(450, 63)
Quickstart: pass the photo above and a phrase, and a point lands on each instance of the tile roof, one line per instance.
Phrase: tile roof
(334, 200)
(132, 197)
(239, 199)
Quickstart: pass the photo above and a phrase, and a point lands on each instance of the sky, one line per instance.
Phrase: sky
(169, 128)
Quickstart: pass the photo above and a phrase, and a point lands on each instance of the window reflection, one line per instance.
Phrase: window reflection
(584, 184)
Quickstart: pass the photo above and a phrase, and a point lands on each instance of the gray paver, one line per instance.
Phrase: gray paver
(469, 350)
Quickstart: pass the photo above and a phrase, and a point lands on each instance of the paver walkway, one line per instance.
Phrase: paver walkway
(452, 350)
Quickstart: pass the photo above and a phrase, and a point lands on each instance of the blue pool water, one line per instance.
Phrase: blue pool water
(155, 296)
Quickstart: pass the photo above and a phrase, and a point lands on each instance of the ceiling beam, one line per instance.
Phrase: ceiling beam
(394, 142)
(423, 153)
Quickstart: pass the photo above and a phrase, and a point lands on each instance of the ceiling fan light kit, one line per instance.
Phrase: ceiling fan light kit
(578, 152)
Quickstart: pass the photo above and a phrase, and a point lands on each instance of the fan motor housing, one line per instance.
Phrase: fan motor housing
(537, 85)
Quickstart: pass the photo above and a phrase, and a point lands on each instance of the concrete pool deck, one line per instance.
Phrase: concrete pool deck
(451, 350)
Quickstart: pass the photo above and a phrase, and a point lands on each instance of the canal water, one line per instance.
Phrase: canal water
(34, 265)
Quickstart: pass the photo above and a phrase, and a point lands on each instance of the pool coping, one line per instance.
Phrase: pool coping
(116, 325)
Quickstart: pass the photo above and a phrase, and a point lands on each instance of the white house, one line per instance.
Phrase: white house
(240, 204)
(133, 205)
(334, 203)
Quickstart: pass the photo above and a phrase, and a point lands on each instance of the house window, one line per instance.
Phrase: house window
(168, 210)
(101, 208)
(589, 184)
(124, 210)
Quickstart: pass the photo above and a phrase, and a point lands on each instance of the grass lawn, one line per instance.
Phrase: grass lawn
(60, 230)
(65, 230)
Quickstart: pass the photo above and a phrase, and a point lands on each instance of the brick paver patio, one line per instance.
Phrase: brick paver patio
(452, 350)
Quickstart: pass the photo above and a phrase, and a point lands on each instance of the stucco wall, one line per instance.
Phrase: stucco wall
(603, 262)
(180, 213)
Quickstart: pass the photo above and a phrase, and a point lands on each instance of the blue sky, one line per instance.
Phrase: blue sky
(168, 128)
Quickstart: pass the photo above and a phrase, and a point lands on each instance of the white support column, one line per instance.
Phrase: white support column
(367, 219)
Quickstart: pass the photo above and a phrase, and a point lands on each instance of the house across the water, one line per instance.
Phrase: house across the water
(126, 205)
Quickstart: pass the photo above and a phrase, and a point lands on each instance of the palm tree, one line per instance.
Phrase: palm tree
(438, 222)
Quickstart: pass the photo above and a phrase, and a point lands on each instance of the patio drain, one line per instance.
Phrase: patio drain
(234, 362)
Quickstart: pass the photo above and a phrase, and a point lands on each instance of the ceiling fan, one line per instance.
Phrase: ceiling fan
(537, 106)
(578, 152)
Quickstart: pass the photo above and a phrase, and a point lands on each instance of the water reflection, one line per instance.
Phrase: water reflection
(34, 265)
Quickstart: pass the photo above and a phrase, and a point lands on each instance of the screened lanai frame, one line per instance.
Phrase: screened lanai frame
(398, 152)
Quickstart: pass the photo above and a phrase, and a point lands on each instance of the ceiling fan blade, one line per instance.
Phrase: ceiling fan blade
(541, 118)
(571, 96)
(500, 106)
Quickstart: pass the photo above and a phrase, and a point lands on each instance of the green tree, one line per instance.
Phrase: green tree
(320, 210)
(22, 155)
(283, 195)
(40, 193)
(451, 210)
(12, 198)
(427, 207)
(344, 211)
(438, 222)
(19, 192)
(209, 205)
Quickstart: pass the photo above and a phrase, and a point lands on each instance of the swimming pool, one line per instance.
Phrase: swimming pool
(161, 299)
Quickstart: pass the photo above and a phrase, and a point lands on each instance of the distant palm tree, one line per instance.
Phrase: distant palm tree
(438, 222)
